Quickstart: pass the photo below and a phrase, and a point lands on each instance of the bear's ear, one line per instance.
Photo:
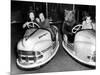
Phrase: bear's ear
(66, 12)
(71, 12)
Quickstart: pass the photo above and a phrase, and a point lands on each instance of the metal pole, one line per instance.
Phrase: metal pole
(74, 7)
(46, 9)
(34, 6)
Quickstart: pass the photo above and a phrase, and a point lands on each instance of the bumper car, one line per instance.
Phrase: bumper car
(36, 48)
(83, 48)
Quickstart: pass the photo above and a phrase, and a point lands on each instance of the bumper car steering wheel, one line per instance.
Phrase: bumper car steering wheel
(32, 25)
(76, 28)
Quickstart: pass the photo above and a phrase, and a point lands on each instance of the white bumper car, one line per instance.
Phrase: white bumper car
(36, 48)
(84, 47)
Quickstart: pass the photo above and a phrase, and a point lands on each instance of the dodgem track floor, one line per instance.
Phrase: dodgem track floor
(61, 62)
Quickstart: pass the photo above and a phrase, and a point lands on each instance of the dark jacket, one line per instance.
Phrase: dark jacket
(44, 24)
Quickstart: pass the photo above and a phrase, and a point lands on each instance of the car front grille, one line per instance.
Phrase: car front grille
(29, 55)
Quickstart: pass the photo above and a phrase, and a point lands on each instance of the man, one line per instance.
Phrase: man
(44, 23)
(88, 24)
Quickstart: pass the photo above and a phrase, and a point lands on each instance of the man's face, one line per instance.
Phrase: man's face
(31, 16)
(88, 20)
(41, 16)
